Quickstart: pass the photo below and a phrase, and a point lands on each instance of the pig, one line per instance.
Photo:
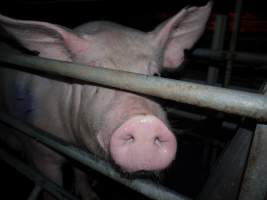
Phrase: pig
(130, 129)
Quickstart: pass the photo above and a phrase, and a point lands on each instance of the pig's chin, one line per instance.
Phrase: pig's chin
(142, 143)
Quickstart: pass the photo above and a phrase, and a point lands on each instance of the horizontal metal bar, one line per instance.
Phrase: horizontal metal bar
(35, 176)
(242, 57)
(145, 187)
(221, 99)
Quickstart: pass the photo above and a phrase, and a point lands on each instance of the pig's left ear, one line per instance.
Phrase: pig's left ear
(50, 40)
(179, 33)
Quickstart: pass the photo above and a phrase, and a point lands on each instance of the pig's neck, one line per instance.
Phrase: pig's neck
(80, 116)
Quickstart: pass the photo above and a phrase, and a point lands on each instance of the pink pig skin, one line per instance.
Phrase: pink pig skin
(132, 129)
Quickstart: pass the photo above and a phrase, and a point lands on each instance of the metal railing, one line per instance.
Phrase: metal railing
(226, 100)
(145, 187)
(221, 99)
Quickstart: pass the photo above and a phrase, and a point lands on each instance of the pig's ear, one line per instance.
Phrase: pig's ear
(51, 41)
(179, 33)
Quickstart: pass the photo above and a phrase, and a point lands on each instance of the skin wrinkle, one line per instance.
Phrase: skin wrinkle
(74, 107)
(105, 119)
(63, 111)
(83, 115)
(90, 123)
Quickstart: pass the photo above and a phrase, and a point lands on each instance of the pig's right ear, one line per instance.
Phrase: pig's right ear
(51, 41)
(178, 33)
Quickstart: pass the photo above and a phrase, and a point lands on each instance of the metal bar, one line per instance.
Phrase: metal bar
(226, 175)
(35, 192)
(233, 41)
(221, 99)
(145, 187)
(217, 44)
(35, 176)
(242, 57)
(254, 185)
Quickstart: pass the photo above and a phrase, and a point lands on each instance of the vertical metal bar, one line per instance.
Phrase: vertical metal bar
(213, 74)
(217, 44)
(233, 41)
(254, 185)
(35, 192)
(226, 175)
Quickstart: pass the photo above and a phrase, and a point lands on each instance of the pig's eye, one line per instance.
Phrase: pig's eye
(156, 74)
(153, 68)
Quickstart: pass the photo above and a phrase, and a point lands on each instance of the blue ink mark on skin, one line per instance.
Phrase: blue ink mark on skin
(23, 105)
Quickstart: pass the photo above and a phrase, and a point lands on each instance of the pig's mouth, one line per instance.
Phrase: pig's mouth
(154, 175)
(141, 145)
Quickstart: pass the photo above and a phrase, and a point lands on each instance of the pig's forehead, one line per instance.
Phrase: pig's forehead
(127, 50)
(123, 42)
(113, 37)
(118, 47)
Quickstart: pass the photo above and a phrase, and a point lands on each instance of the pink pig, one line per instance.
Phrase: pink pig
(129, 128)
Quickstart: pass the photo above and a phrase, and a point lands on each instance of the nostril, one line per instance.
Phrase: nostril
(129, 138)
(158, 141)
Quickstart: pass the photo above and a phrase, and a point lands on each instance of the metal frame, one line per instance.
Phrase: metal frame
(226, 100)
(106, 77)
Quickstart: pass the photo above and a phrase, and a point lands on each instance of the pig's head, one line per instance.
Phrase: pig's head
(131, 128)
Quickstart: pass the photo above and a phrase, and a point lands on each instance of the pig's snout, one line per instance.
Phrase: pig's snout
(143, 143)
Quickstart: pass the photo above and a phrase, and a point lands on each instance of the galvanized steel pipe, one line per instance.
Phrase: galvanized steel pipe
(221, 99)
(145, 187)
